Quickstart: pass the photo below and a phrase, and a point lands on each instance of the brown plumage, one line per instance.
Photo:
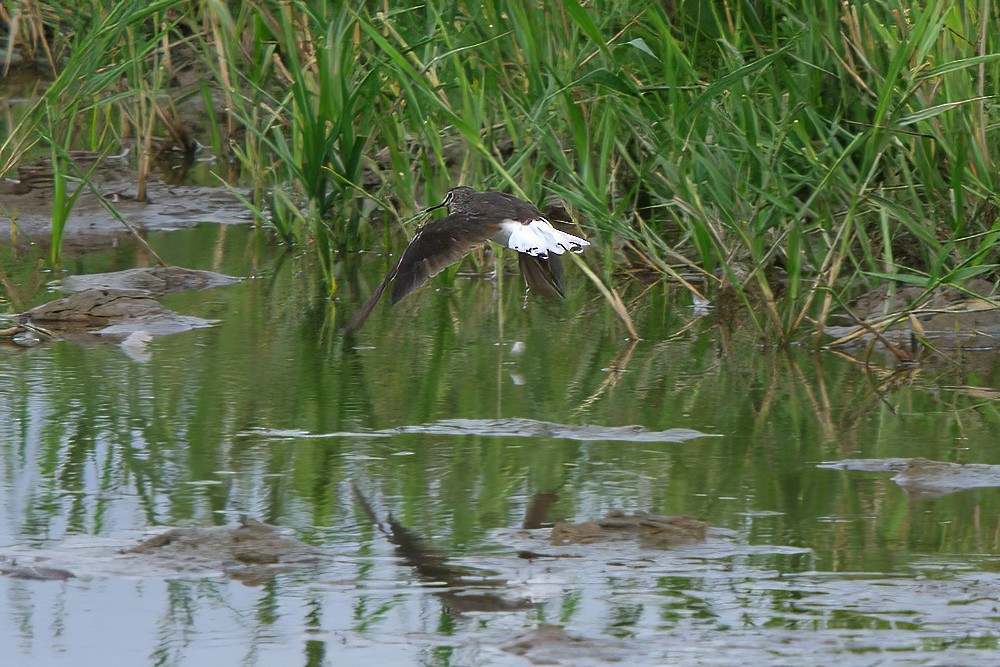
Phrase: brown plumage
(474, 218)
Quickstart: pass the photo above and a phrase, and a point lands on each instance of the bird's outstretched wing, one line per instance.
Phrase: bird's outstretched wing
(437, 245)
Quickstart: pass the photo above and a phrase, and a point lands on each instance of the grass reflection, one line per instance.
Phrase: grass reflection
(94, 442)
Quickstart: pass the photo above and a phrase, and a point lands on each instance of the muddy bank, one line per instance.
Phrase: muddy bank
(251, 552)
(26, 202)
(509, 428)
(649, 529)
(154, 280)
(923, 478)
(908, 317)
(120, 306)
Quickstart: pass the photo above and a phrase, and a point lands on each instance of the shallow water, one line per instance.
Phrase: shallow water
(273, 415)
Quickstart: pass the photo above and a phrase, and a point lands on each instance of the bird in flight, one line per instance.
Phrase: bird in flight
(474, 218)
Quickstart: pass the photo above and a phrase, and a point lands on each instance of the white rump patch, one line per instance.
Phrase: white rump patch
(538, 237)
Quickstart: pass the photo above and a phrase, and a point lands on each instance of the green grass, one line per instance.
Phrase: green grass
(794, 151)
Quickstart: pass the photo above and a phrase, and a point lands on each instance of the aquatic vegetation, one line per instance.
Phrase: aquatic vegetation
(791, 153)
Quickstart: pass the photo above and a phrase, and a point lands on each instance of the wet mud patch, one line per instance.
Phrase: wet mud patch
(153, 280)
(553, 645)
(924, 478)
(251, 552)
(111, 312)
(513, 428)
(129, 317)
(648, 529)
(120, 305)
(531, 428)
(947, 317)
(26, 206)
(33, 571)
(593, 546)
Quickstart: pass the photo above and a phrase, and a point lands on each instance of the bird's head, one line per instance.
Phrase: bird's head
(457, 199)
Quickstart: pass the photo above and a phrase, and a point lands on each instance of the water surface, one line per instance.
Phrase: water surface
(273, 415)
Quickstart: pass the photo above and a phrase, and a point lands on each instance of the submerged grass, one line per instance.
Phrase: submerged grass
(793, 152)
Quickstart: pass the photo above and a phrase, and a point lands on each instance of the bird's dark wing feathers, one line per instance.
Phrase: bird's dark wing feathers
(517, 208)
(437, 245)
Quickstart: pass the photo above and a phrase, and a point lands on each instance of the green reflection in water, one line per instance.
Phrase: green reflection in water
(101, 423)
(95, 442)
